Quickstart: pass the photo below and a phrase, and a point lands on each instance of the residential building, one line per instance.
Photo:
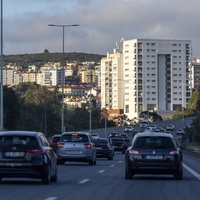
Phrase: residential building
(8, 76)
(195, 65)
(146, 74)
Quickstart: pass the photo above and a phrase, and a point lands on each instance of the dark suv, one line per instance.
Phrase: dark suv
(27, 154)
(153, 153)
(54, 141)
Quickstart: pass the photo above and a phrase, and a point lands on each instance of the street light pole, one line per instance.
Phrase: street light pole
(62, 74)
(1, 77)
(148, 102)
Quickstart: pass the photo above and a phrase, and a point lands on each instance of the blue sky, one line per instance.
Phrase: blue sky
(102, 24)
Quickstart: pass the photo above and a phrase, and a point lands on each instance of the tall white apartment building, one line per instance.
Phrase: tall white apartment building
(8, 76)
(147, 74)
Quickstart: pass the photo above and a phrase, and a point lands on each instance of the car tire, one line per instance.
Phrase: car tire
(46, 178)
(59, 162)
(55, 177)
(110, 157)
(92, 162)
(179, 176)
(128, 174)
(123, 151)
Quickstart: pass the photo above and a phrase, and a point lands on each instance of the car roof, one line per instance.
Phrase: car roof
(76, 132)
(20, 133)
(153, 134)
(57, 135)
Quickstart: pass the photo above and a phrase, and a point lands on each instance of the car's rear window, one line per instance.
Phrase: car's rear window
(56, 139)
(153, 142)
(75, 138)
(102, 141)
(18, 140)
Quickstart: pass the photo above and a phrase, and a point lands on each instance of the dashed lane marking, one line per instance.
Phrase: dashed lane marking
(101, 171)
(83, 181)
(119, 161)
(51, 198)
(112, 165)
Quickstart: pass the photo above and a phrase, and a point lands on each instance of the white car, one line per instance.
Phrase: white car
(95, 136)
(170, 127)
(180, 132)
(129, 128)
(148, 129)
(153, 126)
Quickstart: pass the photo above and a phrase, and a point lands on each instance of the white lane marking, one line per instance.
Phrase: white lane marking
(191, 171)
(112, 165)
(101, 171)
(51, 198)
(83, 181)
(119, 161)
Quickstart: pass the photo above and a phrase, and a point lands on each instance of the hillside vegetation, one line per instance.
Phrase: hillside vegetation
(39, 59)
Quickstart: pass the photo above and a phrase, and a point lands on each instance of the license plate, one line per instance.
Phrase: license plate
(98, 147)
(74, 152)
(154, 157)
(14, 154)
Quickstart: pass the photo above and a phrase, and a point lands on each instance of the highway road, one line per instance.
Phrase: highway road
(106, 181)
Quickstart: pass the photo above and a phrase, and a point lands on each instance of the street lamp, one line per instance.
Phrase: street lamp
(62, 74)
(1, 77)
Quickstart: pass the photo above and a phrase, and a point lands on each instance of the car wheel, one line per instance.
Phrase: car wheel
(110, 157)
(92, 162)
(128, 174)
(55, 177)
(179, 176)
(46, 176)
(59, 162)
(123, 151)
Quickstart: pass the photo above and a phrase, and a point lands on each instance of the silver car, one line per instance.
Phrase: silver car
(76, 147)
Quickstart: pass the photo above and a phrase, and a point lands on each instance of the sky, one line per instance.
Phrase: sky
(102, 23)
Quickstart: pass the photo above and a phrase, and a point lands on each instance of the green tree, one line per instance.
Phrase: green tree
(194, 102)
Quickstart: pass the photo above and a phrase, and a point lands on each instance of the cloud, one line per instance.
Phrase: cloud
(102, 24)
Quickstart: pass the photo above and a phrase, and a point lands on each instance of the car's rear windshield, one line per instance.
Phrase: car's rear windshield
(56, 139)
(153, 142)
(18, 140)
(117, 139)
(102, 141)
(75, 138)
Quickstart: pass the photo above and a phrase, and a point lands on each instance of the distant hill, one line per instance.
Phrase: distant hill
(39, 59)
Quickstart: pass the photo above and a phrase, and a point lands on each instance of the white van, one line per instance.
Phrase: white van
(144, 123)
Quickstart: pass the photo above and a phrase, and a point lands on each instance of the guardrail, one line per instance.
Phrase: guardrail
(188, 149)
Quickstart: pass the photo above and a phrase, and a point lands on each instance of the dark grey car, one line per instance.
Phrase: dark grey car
(153, 153)
(76, 147)
(27, 154)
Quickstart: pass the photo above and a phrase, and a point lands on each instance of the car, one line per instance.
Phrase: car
(160, 129)
(95, 135)
(148, 129)
(54, 141)
(129, 129)
(144, 123)
(186, 127)
(153, 126)
(128, 142)
(170, 127)
(113, 134)
(103, 148)
(153, 153)
(118, 144)
(180, 132)
(76, 147)
(27, 154)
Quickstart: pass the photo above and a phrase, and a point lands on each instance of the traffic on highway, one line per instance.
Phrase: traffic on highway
(111, 174)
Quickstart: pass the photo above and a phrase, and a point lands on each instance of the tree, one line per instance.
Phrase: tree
(11, 108)
(46, 51)
(194, 102)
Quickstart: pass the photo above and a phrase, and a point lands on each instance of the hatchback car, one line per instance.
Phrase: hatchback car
(153, 153)
(27, 154)
(76, 147)
(170, 127)
(180, 132)
(95, 135)
(103, 148)
(54, 141)
(118, 144)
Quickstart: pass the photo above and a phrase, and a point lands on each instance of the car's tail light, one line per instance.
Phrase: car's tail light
(36, 151)
(88, 146)
(105, 147)
(123, 142)
(133, 152)
(60, 144)
(173, 152)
